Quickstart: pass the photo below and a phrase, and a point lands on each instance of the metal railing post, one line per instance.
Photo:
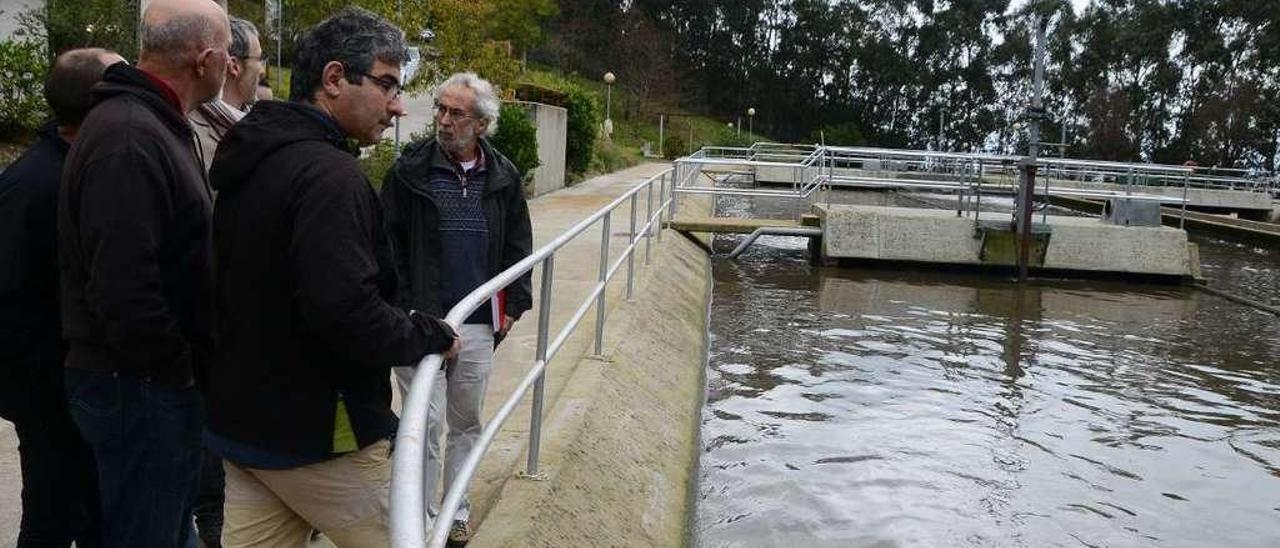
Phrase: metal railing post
(604, 273)
(631, 255)
(648, 222)
(539, 387)
(662, 192)
(1182, 219)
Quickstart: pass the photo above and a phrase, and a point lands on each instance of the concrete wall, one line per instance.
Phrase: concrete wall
(940, 237)
(622, 466)
(9, 11)
(553, 130)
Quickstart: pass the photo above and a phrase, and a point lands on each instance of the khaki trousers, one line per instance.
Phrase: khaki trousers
(345, 498)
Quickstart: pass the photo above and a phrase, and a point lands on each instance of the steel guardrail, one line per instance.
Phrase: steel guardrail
(407, 498)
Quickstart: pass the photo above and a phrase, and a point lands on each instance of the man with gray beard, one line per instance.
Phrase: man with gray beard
(455, 201)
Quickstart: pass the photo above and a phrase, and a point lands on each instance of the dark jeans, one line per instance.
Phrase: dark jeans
(146, 441)
(59, 480)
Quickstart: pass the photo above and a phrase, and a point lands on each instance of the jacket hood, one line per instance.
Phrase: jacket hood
(270, 126)
(418, 158)
(125, 79)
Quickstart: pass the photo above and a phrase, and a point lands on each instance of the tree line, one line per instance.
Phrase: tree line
(1137, 80)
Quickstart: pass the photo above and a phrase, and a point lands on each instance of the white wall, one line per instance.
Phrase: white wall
(9, 10)
(553, 128)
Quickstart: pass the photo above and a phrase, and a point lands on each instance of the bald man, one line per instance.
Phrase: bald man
(135, 252)
(59, 483)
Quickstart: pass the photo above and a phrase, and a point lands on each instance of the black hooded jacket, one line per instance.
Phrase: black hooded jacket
(305, 286)
(31, 346)
(414, 224)
(134, 237)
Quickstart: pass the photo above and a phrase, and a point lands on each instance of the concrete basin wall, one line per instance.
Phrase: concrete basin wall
(940, 237)
(620, 445)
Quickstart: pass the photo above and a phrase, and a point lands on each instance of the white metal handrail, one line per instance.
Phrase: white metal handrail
(408, 499)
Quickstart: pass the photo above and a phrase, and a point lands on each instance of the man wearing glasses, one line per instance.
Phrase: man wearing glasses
(212, 120)
(300, 394)
(457, 217)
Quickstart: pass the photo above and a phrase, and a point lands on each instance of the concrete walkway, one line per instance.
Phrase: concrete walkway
(575, 272)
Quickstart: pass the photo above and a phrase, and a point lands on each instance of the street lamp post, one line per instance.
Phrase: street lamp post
(609, 79)
(751, 115)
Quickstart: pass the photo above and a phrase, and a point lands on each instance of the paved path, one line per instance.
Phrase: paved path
(575, 273)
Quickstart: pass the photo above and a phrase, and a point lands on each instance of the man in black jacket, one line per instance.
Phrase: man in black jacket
(456, 201)
(300, 393)
(135, 255)
(59, 482)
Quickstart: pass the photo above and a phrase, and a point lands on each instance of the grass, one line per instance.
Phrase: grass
(635, 124)
(281, 92)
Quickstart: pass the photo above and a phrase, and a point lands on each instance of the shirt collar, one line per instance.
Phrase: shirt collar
(165, 90)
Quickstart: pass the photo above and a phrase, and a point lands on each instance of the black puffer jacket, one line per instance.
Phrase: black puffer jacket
(305, 286)
(133, 237)
(410, 209)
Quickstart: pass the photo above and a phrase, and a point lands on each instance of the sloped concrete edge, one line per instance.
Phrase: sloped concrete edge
(620, 454)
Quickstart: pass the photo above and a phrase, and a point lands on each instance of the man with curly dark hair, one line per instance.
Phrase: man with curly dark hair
(300, 395)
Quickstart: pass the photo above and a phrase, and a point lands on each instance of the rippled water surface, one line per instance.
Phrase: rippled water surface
(855, 407)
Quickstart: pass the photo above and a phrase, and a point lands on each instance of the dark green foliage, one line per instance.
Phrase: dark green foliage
(22, 107)
(846, 134)
(377, 161)
(674, 147)
(517, 138)
(1162, 80)
(584, 122)
(111, 24)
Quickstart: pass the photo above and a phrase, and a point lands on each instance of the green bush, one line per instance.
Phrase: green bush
(584, 119)
(111, 24)
(22, 68)
(517, 138)
(610, 157)
(674, 147)
(377, 160)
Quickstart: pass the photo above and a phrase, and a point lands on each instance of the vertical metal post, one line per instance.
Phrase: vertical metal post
(279, 48)
(1044, 216)
(631, 255)
(648, 222)
(662, 193)
(1029, 182)
(604, 282)
(540, 354)
(1186, 182)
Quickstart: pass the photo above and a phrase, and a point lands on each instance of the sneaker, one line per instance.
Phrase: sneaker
(459, 534)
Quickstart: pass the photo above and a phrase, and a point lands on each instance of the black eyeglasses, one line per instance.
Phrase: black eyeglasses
(389, 85)
(454, 113)
(265, 58)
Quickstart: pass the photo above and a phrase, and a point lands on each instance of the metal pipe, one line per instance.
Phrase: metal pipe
(408, 506)
(648, 227)
(540, 354)
(440, 531)
(809, 231)
(662, 191)
(631, 257)
(604, 270)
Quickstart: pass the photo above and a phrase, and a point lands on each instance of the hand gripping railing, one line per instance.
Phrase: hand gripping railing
(408, 499)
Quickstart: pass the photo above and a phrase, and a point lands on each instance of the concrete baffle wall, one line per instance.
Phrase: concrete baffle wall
(1080, 244)
(553, 130)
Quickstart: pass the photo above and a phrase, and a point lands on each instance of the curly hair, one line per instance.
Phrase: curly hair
(354, 37)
